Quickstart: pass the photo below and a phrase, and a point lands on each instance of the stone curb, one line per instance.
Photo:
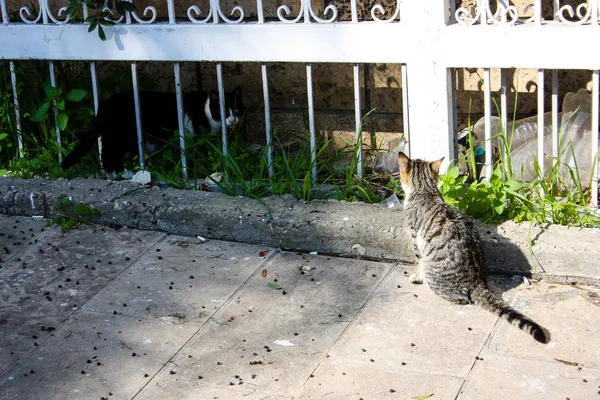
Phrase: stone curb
(560, 254)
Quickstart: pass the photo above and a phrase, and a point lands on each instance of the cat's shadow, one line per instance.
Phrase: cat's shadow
(505, 258)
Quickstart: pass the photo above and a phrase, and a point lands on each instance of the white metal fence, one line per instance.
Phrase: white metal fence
(430, 39)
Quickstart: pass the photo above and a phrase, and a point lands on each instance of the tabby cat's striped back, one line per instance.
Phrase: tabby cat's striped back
(448, 247)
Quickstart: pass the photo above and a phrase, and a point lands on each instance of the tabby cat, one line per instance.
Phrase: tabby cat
(116, 124)
(448, 247)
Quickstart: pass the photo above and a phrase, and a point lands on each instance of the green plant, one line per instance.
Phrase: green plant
(55, 99)
(102, 11)
(70, 216)
(548, 199)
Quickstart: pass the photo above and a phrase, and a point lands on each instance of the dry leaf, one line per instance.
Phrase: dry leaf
(571, 363)
(264, 273)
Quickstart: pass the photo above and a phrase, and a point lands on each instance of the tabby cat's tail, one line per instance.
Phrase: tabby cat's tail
(85, 144)
(487, 300)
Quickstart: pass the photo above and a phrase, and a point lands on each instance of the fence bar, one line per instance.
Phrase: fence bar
(538, 12)
(53, 83)
(504, 113)
(260, 11)
(171, 11)
(5, 19)
(540, 120)
(13, 78)
(484, 10)
(595, 127)
(487, 104)
(138, 116)
(358, 120)
(555, 127)
(180, 122)
(405, 113)
(96, 103)
(222, 107)
(311, 122)
(354, 9)
(265, 81)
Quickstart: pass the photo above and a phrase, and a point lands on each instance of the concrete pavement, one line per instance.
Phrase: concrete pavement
(127, 314)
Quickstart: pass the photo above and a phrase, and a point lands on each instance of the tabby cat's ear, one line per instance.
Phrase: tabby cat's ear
(435, 166)
(403, 162)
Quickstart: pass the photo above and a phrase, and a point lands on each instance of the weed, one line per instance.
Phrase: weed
(70, 216)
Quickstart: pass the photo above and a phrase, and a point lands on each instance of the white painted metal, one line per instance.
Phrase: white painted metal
(180, 111)
(311, 122)
(595, 128)
(96, 97)
(53, 83)
(267, 105)
(171, 11)
(430, 111)
(555, 126)
(222, 108)
(540, 120)
(405, 113)
(138, 117)
(538, 12)
(13, 78)
(358, 119)
(260, 11)
(305, 43)
(504, 112)
(354, 10)
(487, 106)
(4, 12)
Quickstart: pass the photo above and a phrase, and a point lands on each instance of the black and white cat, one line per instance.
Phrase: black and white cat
(115, 123)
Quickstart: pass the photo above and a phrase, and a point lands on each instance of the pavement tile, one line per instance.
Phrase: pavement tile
(570, 313)
(409, 328)
(350, 380)
(501, 377)
(16, 233)
(92, 355)
(271, 339)
(181, 278)
(56, 276)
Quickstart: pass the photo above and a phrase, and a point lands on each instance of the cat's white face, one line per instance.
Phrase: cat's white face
(231, 119)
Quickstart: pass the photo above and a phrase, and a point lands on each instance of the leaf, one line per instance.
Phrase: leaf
(52, 93)
(3, 135)
(62, 120)
(127, 5)
(60, 105)
(423, 396)
(41, 113)
(76, 95)
(571, 363)
(273, 286)
(101, 33)
(264, 273)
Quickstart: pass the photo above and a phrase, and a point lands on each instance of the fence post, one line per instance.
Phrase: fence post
(429, 82)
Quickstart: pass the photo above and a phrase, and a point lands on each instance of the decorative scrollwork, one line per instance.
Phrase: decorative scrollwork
(25, 12)
(147, 10)
(379, 8)
(215, 13)
(196, 10)
(306, 13)
(583, 13)
(112, 12)
(506, 14)
(44, 14)
(470, 16)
